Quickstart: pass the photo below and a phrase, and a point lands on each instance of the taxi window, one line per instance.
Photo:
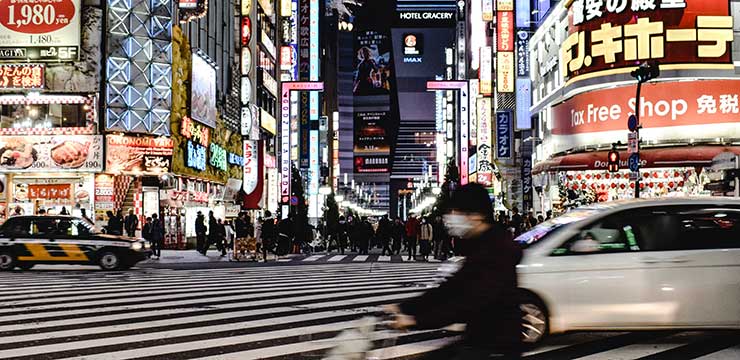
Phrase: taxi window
(17, 227)
(44, 227)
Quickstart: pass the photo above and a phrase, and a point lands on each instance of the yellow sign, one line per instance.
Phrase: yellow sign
(286, 8)
(504, 5)
(505, 72)
(246, 7)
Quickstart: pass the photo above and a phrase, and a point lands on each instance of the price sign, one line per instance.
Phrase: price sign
(40, 30)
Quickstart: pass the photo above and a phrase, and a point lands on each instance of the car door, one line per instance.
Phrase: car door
(693, 259)
(603, 276)
(73, 240)
(17, 231)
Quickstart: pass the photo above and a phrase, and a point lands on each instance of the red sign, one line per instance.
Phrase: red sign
(246, 30)
(505, 31)
(21, 76)
(194, 131)
(286, 57)
(613, 34)
(663, 105)
(37, 17)
(49, 191)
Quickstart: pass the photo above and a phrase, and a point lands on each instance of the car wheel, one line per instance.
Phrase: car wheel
(26, 265)
(7, 261)
(535, 320)
(109, 260)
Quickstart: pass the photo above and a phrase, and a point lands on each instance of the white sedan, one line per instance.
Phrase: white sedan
(634, 265)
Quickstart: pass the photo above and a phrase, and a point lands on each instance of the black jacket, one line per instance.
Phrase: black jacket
(482, 294)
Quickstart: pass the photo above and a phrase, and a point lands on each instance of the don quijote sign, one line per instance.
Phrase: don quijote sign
(40, 30)
(607, 35)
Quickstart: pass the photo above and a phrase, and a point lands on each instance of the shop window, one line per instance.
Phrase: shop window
(42, 116)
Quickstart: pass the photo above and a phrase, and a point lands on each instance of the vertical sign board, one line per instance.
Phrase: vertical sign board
(294, 37)
(485, 151)
(523, 13)
(504, 134)
(304, 66)
(523, 103)
(527, 180)
(285, 144)
(464, 133)
(462, 56)
(485, 70)
(472, 110)
(313, 104)
(522, 53)
(487, 13)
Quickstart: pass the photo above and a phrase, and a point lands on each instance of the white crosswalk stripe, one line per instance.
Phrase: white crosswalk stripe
(265, 312)
(360, 258)
(337, 258)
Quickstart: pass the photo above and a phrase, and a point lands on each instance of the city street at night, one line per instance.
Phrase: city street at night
(370, 179)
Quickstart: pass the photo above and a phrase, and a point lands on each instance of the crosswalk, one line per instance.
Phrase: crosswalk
(277, 312)
(364, 258)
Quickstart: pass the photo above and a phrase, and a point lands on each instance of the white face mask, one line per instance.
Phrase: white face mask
(458, 225)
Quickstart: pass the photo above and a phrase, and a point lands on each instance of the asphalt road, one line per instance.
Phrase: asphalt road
(290, 310)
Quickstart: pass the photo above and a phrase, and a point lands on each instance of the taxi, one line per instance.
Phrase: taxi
(58, 239)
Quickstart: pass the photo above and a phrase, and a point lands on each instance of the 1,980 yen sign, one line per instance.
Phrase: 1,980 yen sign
(40, 30)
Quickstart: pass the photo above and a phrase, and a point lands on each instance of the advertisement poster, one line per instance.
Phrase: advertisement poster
(372, 146)
(40, 30)
(203, 97)
(373, 63)
(51, 153)
(140, 155)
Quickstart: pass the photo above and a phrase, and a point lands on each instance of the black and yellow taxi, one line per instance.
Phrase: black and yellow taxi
(60, 239)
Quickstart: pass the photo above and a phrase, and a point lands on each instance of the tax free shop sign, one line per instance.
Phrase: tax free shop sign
(673, 110)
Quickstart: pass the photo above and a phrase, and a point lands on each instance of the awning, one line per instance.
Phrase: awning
(685, 156)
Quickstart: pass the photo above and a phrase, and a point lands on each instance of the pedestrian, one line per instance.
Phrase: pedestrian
(532, 219)
(83, 214)
(119, 222)
(267, 234)
(113, 223)
(157, 236)
(438, 236)
(200, 233)
(482, 294)
(549, 215)
(286, 232)
(64, 211)
(412, 234)
(131, 223)
(425, 238)
(398, 231)
(213, 233)
(342, 234)
(230, 234)
(516, 221)
(385, 230)
(221, 237)
(540, 219)
(146, 230)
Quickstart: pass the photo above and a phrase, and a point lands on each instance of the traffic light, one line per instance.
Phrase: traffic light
(613, 161)
(646, 72)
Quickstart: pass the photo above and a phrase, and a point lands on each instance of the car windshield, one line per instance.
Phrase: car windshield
(539, 232)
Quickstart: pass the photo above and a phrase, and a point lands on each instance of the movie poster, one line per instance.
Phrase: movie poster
(372, 69)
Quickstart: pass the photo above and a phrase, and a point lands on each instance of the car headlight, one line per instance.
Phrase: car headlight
(137, 246)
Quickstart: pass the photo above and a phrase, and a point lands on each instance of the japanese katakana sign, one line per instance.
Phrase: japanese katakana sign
(610, 34)
(504, 134)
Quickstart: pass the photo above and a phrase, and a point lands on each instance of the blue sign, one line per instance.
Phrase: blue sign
(523, 103)
(504, 134)
(196, 156)
(632, 123)
(634, 162)
(236, 160)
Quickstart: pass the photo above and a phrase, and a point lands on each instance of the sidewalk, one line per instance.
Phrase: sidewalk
(192, 256)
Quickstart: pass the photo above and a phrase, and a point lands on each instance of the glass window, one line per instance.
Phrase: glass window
(691, 228)
(42, 116)
(614, 234)
(17, 227)
(44, 227)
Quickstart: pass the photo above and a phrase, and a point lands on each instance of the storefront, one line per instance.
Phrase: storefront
(583, 95)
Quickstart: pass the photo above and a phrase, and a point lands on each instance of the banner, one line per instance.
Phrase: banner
(79, 153)
(138, 155)
(40, 30)
(254, 173)
(49, 191)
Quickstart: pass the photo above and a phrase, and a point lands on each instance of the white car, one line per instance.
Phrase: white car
(634, 265)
